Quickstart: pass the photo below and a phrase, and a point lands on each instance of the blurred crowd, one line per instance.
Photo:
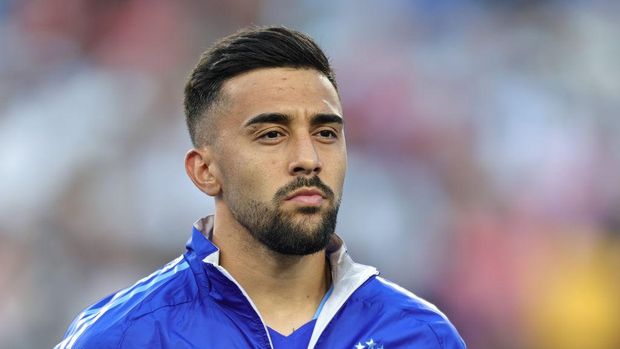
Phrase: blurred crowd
(484, 154)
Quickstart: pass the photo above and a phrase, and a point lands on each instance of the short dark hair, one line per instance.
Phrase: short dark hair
(248, 49)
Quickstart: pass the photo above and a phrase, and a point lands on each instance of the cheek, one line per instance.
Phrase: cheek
(341, 177)
(336, 173)
(343, 163)
(233, 178)
(249, 178)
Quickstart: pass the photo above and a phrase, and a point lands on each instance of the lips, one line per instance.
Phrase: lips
(307, 196)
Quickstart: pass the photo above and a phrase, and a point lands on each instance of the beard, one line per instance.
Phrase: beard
(279, 230)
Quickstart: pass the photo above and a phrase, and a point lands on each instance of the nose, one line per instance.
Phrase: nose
(305, 159)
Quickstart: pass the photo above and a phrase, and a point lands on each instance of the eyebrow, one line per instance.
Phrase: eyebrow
(284, 119)
(320, 119)
(269, 118)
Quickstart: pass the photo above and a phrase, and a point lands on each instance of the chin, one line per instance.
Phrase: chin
(309, 210)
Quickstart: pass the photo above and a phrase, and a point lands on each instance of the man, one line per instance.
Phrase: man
(267, 270)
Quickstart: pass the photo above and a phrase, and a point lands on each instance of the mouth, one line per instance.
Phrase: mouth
(307, 197)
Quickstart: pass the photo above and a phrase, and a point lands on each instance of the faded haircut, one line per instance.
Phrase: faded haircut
(246, 50)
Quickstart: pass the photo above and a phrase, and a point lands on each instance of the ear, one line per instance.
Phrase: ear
(201, 170)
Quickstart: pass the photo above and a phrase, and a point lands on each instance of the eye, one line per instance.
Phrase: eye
(273, 136)
(327, 134)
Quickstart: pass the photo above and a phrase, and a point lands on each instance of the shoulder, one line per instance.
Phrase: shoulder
(391, 295)
(404, 309)
(102, 324)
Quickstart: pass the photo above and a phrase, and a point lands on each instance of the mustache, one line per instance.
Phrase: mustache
(301, 182)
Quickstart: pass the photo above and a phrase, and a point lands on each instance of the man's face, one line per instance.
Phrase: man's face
(282, 157)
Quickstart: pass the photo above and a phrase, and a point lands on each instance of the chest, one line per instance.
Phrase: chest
(212, 326)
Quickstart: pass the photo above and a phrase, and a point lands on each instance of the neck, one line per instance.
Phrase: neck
(286, 289)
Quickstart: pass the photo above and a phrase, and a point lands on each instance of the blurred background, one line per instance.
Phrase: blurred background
(484, 149)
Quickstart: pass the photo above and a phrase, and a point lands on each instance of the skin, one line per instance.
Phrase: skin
(251, 162)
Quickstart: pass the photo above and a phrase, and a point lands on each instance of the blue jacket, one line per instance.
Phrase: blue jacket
(193, 302)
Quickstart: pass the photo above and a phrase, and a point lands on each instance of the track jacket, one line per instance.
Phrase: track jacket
(193, 302)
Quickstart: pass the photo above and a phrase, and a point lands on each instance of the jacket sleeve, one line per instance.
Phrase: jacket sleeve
(92, 338)
(89, 331)
(447, 336)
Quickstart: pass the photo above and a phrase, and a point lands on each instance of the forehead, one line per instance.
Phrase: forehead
(297, 92)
